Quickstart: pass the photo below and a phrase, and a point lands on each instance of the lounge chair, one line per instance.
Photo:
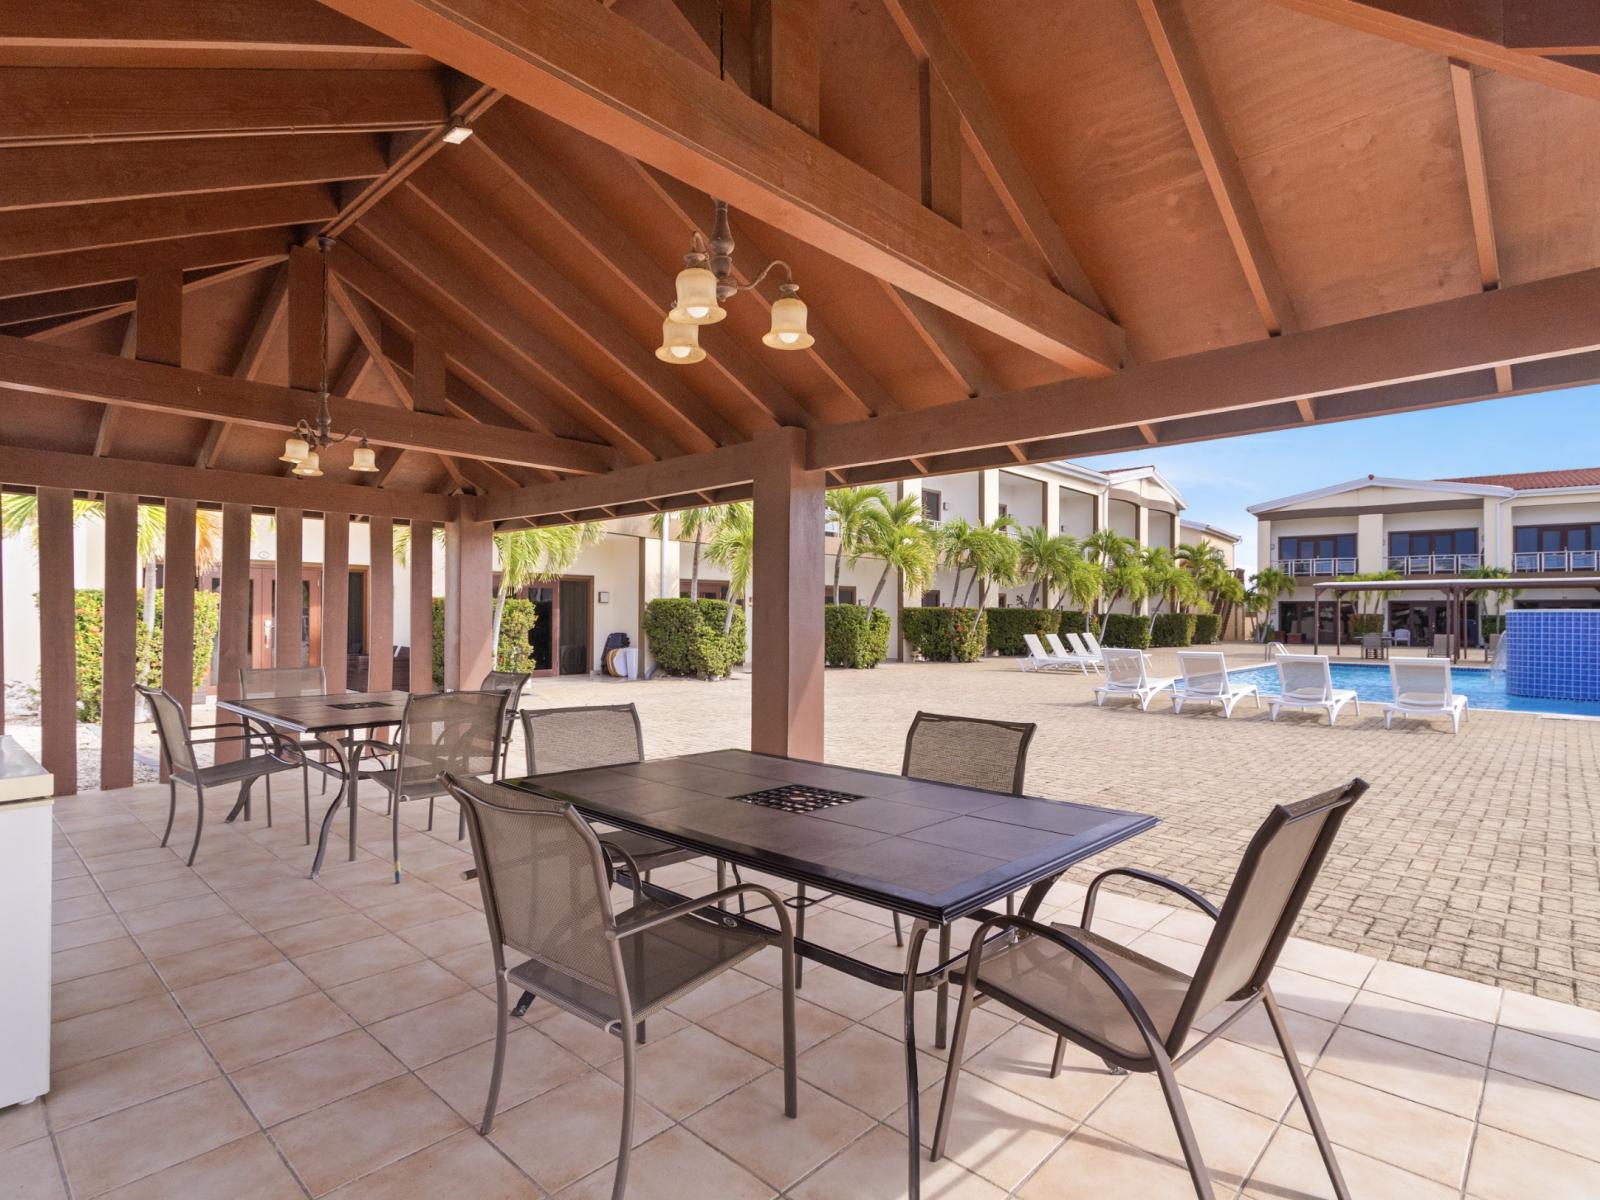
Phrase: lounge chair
(1422, 689)
(1081, 649)
(1206, 681)
(1305, 682)
(1128, 674)
(1091, 643)
(1038, 658)
(1076, 657)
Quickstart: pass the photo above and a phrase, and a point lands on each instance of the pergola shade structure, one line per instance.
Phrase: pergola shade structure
(1023, 233)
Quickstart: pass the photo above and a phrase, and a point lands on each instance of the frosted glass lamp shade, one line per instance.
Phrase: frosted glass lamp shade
(788, 330)
(697, 298)
(364, 459)
(295, 450)
(680, 343)
(309, 467)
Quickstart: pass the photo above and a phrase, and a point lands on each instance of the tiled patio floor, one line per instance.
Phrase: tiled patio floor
(238, 1030)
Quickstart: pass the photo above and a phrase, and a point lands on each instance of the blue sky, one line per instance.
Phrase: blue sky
(1220, 479)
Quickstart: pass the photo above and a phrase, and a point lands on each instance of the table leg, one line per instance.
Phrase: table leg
(346, 785)
(242, 805)
(942, 1004)
(914, 940)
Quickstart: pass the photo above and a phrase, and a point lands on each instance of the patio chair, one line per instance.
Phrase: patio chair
(1079, 658)
(1136, 1013)
(1372, 645)
(1080, 647)
(457, 732)
(178, 743)
(1128, 674)
(1402, 636)
(1091, 642)
(1038, 658)
(547, 896)
(1304, 681)
(512, 684)
(265, 683)
(1422, 689)
(1442, 646)
(1206, 681)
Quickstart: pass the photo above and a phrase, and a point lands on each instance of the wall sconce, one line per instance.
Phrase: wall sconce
(602, 598)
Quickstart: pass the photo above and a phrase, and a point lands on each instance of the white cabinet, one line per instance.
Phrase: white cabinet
(25, 873)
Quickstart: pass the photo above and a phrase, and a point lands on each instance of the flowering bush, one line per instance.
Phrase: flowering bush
(946, 634)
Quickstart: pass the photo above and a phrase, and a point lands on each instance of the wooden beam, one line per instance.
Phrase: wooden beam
(597, 71)
(24, 310)
(786, 60)
(307, 310)
(177, 603)
(41, 106)
(120, 624)
(468, 600)
(336, 600)
(380, 617)
(233, 634)
(58, 654)
(158, 318)
(73, 269)
(1180, 62)
(932, 42)
(85, 473)
(87, 375)
(193, 283)
(421, 607)
(252, 356)
(941, 145)
(33, 231)
(1477, 172)
(287, 604)
(1552, 27)
(946, 342)
(724, 467)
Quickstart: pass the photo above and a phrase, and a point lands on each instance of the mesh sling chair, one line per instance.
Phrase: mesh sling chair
(512, 684)
(458, 732)
(1135, 1013)
(178, 743)
(263, 683)
(546, 887)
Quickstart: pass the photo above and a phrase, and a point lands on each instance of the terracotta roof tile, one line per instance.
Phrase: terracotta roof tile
(1576, 477)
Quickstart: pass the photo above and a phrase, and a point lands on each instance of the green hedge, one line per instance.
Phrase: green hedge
(854, 636)
(1073, 621)
(1493, 623)
(946, 634)
(1126, 629)
(686, 637)
(1172, 629)
(1207, 627)
(1008, 625)
(438, 642)
(89, 614)
(1366, 623)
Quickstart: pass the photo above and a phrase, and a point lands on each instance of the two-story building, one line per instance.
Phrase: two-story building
(1539, 524)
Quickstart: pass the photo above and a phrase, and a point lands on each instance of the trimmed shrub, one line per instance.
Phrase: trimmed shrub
(514, 652)
(1073, 621)
(1126, 629)
(1366, 623)
(1172, 629)
(686, 637)
(438, 642)
(1206, 628)
(945, 634)
(855, 636)
(1008, 625)
(89, 614)
(1493, 623)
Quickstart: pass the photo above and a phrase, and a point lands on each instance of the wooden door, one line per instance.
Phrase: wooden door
(262, 604)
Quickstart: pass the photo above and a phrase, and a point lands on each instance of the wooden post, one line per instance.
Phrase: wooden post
(380, 624)
(177, 604)
(786, 705)
(286, 608)
(336, 600)
(119, 644)
(421, 606)
(2, 644)
(786, 60)
(305, 318)
(58, 645)
(233, 632)
(158, 317)
(469, 601)
(941, 146)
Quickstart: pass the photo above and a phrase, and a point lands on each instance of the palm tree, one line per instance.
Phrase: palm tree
(899, 537)
(1044, 559)
(998, 561)
(1227, 591)
(1269, 583)
(1121, 570)
(402, 541)
(1493, 599)
(852, 509)
(530, 555)
(1082, 582)
(955, 542)
(1168, 581)
(733, 547)
(693, 523)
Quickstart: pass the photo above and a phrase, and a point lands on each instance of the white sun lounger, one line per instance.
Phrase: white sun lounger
(1075, 657)
(1038, 658)
(1128, 674)
(1075, 640)
(1206, 681)
(1091, 643)
(1306, 682)
(1422, 689)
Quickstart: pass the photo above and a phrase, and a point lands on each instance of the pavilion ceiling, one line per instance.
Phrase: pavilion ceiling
(1063, 226)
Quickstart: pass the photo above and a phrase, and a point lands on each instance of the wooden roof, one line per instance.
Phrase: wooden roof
(1023, 231)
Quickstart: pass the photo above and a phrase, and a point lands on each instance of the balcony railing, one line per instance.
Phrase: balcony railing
(1550, 561)
(1434, 564)
(1316, 568)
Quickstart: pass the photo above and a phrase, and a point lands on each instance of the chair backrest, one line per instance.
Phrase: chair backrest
(543, 878)
(509, 682)
(1205, 672)
(1278, 868)
(1421, 682)
(968, 751)
(1125, 667)
(1091, 641)
(1035, 647)
(1371, 641)
(1075, 640)
(575, 739)
(262, 683)
(1441, 646)
(1053, 642)
(1305, 676)
(458, 732)
(172, 726)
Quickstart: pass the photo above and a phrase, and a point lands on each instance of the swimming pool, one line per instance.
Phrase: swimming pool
(1370, 681)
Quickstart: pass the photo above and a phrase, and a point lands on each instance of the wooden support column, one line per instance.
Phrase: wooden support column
(786, 60)
(380, 621)
(469, 601)
(58, 656)
(336, 600)
(233, 633)
(786, 706)
(120, 617)
(941, 146)
(177, 604)
(305, 318)
(158, 317)
(286, 651)
(421, 606)
(3, 646)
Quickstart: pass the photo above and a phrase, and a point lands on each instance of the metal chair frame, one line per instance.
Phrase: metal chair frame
(263, 735)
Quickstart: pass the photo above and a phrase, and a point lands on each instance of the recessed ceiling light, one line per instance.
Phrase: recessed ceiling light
(458, 132)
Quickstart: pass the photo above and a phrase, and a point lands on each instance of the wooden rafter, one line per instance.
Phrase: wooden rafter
(193, 282)
(268, 320)
(48, 273)
(1470, 129)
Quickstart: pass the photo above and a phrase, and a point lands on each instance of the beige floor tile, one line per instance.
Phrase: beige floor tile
(1020, 1062)
(21, 1123)
(217, 962)
(756, 1024)
(378, 996)
(833, 990)
(1291, 1169)
(234, 995)
(994, 1132)
(463, 1165)
(332, 1145)
(1417, 1025)
(418, 908)
(987, 1023)
(1253, 1079)
(1231, 1139)
(1421, 1075)
(749, 1126)
(255, 1037)
(473, 965)
(1507, 1167)
(78, 908)
(1311, 994)
(357, 960)
(67, 965)
(1559, 1064)
(865, 1069)
(1412, 1136)
(324, 933)
(452, 933)
(93, 993)
(686, 1070)
(247, 1169)
(1309, 1034)
(1547, 1018)
(95, 1035)
(145, 895)
(117, 1081)
(29, 1171)
(149, 1137)
(86, 933)
(720, 992)
(175, 912)
(534, 1065)
(875, 1165)
(1463, 997)
(571, 1131)
(1326, 962)
(427, 1034)
(193, 935)
(658, 1168)
(1557, 1118)
(315, 1075)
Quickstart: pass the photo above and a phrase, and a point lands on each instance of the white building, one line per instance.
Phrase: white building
(1540, 524)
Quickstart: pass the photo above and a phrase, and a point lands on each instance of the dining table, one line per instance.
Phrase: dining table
(933, 852)
(331, 720)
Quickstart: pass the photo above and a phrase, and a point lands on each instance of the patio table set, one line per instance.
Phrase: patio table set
(952, 838)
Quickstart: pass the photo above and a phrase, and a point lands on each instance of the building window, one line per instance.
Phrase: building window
(1447, 541)
(710, 589)
(1551, 538)
(847, 595)
(1337, 545)
(930, 599)
(931, 507)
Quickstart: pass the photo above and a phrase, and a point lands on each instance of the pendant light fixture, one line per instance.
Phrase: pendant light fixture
(302, 447)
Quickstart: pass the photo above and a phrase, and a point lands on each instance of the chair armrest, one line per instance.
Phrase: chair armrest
(688, 907)
(634, 874)
(1161, 881)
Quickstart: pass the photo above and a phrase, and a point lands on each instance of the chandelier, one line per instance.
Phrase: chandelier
(303, 447)
(706, 282)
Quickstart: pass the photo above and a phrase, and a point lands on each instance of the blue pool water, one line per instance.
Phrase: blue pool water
(1477, 684)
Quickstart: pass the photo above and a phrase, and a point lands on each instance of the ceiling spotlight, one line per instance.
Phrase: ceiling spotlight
(458, 132)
